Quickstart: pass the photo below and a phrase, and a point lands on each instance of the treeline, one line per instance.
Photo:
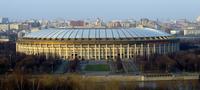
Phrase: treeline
(12, 61)
(76, 82)
(188, 61)
(27, 64)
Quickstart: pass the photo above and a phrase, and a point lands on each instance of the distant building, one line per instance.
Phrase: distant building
(125, 24)
(78, 23)
(191, 32)
(4, 27)
(44, 23)
(144, 22)
(4, 20)
(198, 19)
(175, 32)
(114, 24)
(33, 23)
(25, 27)
(15, 26)
(98, 22)
(181, 21)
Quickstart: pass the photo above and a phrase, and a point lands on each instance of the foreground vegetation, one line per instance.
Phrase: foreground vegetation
(187, 61)
(75, 82)
(98, 67)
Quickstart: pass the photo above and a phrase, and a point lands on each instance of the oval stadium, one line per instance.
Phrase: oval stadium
(97, 44)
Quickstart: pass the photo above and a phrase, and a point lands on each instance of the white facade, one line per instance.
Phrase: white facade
(191, 32)
(98, 44)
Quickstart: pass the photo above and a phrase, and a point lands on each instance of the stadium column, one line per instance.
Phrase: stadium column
(60, 51)
(160, 49)
(33, 50)
(113, 52)
(141, 50)
(172, 47)
(154, 48)
(95, 52)
(49, 50)
(27, 49)
(164, 51)
(35, 47)
(88, 51)
(73, 51)
(99, 51)
(66, 51)
(121, 51)
(39, 49)
(106, 52)
(148, 51)
(135, 54)
(81, 51)
(54, 51)
(110, 52)
(168, 45)
(128, 51)
(17, 46)
(42, 48)
(30, 48)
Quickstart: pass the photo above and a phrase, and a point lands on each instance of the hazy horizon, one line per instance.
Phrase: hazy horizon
(106, 9)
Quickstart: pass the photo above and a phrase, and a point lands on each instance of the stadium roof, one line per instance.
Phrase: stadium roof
(96, 33)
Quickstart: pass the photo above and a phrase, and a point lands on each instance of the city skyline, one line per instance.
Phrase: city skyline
(108, 10)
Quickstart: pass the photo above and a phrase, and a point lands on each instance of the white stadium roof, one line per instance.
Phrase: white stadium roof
(96, 33)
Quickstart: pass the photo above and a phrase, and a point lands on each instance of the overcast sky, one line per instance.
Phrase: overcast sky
(107, 9)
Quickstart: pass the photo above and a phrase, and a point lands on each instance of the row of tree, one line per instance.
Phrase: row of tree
(181, 61)
(76, 82)
(20, 62)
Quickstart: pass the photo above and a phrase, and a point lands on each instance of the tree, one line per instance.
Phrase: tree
(4, 63)
(164, 62)
(119, 63)
(74, 64)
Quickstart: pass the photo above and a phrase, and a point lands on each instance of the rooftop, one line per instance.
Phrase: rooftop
(96, 33)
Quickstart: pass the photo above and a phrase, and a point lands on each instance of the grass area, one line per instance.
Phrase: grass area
(97, 67)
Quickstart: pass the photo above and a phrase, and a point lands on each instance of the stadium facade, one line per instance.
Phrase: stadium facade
(97, 44)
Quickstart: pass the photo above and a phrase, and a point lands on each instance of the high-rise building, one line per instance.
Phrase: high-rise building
(4, 20)
(198, 19)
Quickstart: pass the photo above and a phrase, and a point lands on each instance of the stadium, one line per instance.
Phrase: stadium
(97, 44)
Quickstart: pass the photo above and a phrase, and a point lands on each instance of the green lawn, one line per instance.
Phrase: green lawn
(97, 67)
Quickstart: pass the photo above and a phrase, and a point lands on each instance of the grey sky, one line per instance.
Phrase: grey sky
(108, 9)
